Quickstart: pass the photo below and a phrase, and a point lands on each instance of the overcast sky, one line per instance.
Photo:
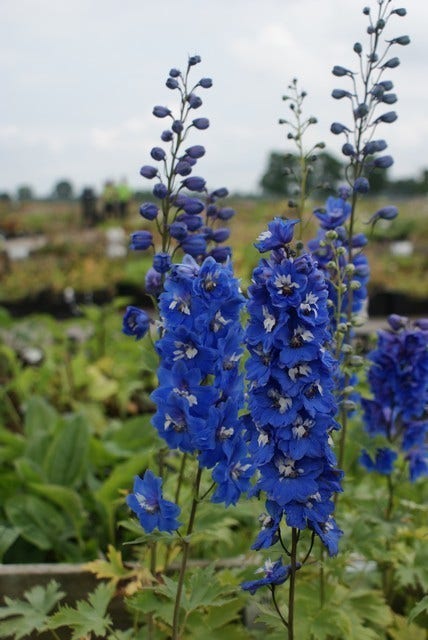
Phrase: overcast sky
(79, 79)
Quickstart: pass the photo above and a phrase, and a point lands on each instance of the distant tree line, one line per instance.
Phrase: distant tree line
(282, 177)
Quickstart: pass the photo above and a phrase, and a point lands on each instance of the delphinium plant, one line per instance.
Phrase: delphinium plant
(338, 246)
(199, 344)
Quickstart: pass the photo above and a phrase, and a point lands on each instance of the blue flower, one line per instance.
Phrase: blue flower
(149, 506)
(336, 212)
(275, 573)
(278, 234)
(383, 462)
(135, 322)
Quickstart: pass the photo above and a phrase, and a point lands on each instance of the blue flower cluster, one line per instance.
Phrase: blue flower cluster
(149, 505)
(187, 215)
(200, 384)
(398, 380)
(290, 397)
(331, 250)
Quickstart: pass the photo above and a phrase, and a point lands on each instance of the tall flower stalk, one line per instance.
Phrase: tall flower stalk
(291, 404)
(368, 95)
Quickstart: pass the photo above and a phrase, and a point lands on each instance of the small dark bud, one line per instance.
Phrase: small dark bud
(160, 191)
(194, 101)
(348, 149)
(166, 136)
(340, 71)
(222, 192)
(201, 123)
(361, 185)
(397, 322)
(380, 24)
(147, 171)
(399, 12)
(196, 151)
(374, 146)
(177, 126)
(205, 83)
(361, 111)
(290, 136)
(391, 63)
(366, 11)
(387, 85)
(158, 153)
(389, 98)
(358, 48)
(174, 73)
(386, 213)
(194, 60)
(403, 40)
(312, 120)
(194, 183)
(282, 121)
(383, 162)
(320, 145)
(371, 30)
(172, 83)
(338, 94)
(388, 117)
(338, 128)
(161, 112)
(373, 57)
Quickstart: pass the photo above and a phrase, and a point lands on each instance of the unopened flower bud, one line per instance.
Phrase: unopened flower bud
(383, 162)
(161, 112)
(341, 71)
(361, 185)
(391, 63)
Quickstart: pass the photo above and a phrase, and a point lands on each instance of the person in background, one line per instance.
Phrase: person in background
(124, 196)
(109, 200)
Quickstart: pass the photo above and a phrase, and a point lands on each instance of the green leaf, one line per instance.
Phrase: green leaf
(65, 461)
(89, 616)
(36, 520)
(12, 445)
(67, 499)
(419, 608)
(21, 617)
(8, 535)
(28, 470)
(40, 418)
(205, 590)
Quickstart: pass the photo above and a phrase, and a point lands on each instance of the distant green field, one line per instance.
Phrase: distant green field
(75, 257)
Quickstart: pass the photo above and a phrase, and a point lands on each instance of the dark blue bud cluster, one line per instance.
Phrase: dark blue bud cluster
(290, 397)
(200, 388)
(367, 84)
(186, 212)
(398, 380)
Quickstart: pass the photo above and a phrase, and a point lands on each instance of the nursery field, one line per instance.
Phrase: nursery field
(63, 253)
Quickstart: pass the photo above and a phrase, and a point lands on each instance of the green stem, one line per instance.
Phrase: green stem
(291, 593)
(186, 546)
(322, 578)
(390, 505)
(278, 610)
(176, 500)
